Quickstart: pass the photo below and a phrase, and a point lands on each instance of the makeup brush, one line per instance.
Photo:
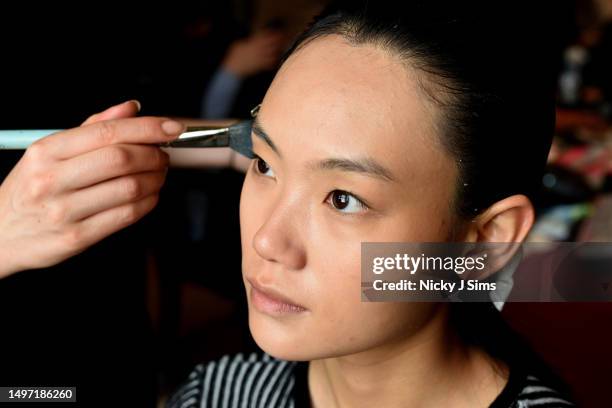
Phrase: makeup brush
(237, 137)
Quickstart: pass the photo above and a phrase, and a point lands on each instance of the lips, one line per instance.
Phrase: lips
(270, 301)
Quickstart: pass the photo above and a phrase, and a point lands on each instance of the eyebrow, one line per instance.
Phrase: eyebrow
(258, 130)
(367, 166)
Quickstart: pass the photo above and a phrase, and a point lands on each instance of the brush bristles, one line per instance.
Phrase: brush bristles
(240, 138)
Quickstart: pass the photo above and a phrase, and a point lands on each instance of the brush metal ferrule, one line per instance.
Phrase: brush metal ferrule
(202, 136)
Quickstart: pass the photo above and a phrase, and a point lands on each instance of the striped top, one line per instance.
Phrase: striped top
(261, 381)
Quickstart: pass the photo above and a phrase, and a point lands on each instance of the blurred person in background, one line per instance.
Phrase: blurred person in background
(248, 65)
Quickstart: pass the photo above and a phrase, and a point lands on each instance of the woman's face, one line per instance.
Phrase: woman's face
(348, 152)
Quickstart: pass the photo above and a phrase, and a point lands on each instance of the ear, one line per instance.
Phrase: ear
(508, 220)
(504, 226)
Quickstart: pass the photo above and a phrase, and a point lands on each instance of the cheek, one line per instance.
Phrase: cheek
(250, 212)
(429, 220)
(342, 322)
(336, 277)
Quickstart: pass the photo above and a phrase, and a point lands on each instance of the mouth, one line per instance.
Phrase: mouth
(271, 302)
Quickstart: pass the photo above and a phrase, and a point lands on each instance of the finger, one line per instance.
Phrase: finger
(270, 49)
(271, 55)
(110, 162)
(113, 193)
(267, 33)
(99, 226)
(272, 52)
(273, 39)
(122, 110)
(269, 61)
(267, 45)
(76, 141)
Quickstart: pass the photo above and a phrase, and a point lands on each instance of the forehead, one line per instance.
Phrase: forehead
(361, 89)
(334, 97)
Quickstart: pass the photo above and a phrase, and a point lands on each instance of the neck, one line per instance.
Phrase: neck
(429, 368)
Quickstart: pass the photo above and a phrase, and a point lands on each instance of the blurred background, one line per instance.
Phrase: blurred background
(128, 319)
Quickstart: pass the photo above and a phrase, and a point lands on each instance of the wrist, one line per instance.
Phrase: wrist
(8, 264)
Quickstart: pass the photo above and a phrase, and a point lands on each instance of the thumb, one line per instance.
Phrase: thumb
(123, 110)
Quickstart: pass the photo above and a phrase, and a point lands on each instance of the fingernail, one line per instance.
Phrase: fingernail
(172, 127)
(137, 103)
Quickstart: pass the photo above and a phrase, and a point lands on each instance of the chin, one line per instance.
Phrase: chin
(280, 340)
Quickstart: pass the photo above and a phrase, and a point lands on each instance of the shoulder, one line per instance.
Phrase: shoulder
(255, 380)
(537, 393)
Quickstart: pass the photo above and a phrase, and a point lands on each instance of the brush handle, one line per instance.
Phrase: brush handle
(21, 139)
(202, 136)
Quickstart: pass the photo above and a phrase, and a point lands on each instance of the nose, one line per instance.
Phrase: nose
(278, 239)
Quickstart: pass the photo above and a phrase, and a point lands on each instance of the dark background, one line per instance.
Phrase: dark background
(86, 322)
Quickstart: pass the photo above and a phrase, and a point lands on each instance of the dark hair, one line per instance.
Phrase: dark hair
(493, 79)
(488, 72)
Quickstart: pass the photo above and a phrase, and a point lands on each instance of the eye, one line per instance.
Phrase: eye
(262, 167)
(346, 202)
